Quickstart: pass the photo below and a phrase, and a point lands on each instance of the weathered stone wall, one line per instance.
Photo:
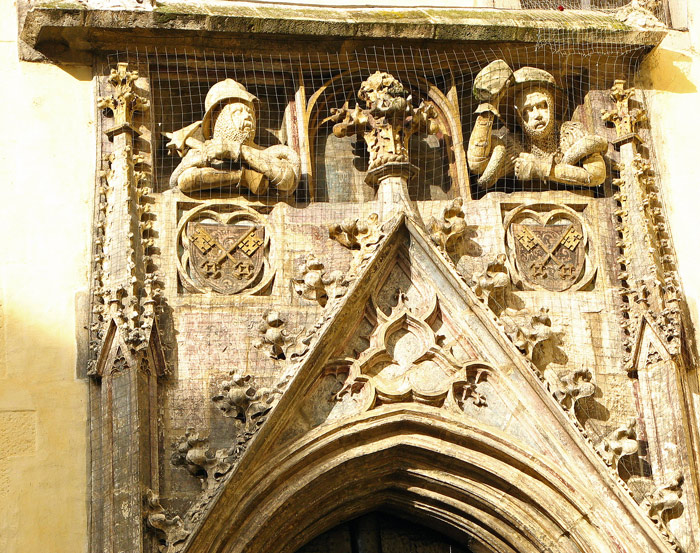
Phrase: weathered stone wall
(47, 170)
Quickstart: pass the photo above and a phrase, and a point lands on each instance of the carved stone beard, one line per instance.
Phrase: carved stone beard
(235, 122)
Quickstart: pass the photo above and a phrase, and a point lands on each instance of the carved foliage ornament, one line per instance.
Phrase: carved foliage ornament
(170, 531)
(386, 122)
(548, 248)
(312, 282)
(224, 249)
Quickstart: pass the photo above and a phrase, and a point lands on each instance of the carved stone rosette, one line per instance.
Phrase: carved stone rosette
(224, 249)
(548, 248)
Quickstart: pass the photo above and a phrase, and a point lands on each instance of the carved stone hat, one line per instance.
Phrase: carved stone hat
(221, 92)
(533, 76)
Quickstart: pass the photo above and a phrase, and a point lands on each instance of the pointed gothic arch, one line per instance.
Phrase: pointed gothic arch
(463, 478)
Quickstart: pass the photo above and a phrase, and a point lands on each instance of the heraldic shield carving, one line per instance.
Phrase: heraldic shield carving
(223, 249)
(548, 248)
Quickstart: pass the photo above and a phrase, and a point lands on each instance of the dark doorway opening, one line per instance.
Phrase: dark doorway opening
(379, 532)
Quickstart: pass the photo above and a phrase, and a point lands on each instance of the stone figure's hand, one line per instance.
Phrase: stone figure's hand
(491, 84)
(213, 149)
(530, 167)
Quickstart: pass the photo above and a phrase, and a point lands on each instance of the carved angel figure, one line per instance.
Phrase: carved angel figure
(220, 150)
(570, 156)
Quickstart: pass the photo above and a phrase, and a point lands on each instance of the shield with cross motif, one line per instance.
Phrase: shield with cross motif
(226, 258)
(551, 256)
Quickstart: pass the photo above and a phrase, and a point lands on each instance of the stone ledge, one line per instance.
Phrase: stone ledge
(55, 27)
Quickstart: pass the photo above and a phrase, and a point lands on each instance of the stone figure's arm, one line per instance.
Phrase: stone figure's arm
(279, 164)
(479, 148)
(582, 162)
(592, 172)
(486, 154)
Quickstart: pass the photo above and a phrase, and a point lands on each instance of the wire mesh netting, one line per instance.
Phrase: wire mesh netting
(248, 171)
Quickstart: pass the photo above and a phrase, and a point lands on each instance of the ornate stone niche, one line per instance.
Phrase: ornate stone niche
(470, 334)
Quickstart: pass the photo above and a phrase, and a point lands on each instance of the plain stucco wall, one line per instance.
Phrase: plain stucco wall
(670, 77)
(46, 182)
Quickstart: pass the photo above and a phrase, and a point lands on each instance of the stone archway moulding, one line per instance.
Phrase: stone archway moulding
(466, 479)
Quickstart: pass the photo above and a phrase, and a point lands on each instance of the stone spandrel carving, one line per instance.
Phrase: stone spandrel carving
(386, 122)
(564, 155)
(192, 451)
(219, 151)
(170, 531)
(408, 362)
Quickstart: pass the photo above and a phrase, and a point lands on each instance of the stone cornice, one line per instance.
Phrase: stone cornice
(54, 28)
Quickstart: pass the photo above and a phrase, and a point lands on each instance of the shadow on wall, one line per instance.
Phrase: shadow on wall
(667, 71)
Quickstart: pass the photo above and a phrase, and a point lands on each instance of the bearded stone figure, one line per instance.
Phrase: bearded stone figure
(570, 156)
(219, 151)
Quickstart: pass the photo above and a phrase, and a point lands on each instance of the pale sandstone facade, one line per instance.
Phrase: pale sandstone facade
(43, 405)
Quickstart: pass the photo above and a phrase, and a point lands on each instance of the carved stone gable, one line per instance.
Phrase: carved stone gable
(411, 344)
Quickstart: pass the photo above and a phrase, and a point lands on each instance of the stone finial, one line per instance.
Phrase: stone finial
(619, 443)
(170, 532)
(193, 452)
(624, 118)
(124, 102)
(386, 123)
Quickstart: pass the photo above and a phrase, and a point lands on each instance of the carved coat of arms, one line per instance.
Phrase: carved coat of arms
(548, 249)
(226, 258)
(224, 250)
